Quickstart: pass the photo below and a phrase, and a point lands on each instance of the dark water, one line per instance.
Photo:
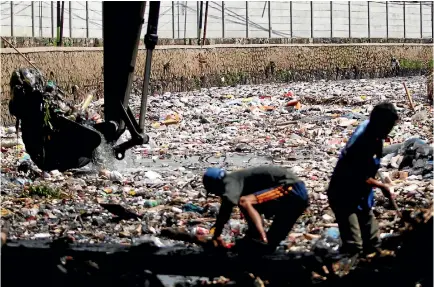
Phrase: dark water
(235, 159)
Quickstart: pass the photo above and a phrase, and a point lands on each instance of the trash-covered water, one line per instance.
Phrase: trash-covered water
(302, 126)
(135, 161)
(199, 161)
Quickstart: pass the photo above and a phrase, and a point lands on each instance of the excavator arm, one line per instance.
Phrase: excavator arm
(49, 131)
(122, 25)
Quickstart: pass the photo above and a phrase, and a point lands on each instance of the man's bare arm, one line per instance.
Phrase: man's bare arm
(257, 220)
(247, 202)
(222, 218)
(385, 189)
(376, 183)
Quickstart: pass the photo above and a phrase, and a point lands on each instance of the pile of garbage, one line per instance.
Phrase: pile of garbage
(49, 122)
(302, 126)
(429, 86)
(413, 157)
(28, 82)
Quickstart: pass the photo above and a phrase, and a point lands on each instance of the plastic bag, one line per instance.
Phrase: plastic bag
(328, 244)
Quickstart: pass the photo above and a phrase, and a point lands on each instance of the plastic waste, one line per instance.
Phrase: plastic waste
(200, 231)
(236, 227)
(333, 232)
(151, 203)
(176, 210)
(29, 77)
(11, 130)
(232, 132)
(42, 235)
(170, 119)
(190, 207)
(327, 218)
(8, 143)
(50, 86)
(151, 239)
(328, 244)
(152, 175)
(213, 208)
(21, 181)
(289, 94)
(292, 103)
(116, 176)
(24, 157)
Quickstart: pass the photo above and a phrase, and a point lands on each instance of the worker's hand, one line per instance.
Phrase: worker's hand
(3, 238)
(387, 192)
(218, 242)
(390, 193)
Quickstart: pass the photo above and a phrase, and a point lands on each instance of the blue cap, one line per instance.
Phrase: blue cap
(212, 179)
(214, 173)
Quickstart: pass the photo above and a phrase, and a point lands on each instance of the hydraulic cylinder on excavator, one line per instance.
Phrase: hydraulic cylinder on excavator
(122, 25)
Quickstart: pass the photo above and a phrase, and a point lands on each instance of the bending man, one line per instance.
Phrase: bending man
(267, 190)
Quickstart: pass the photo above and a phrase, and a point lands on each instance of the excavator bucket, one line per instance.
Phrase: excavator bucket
(51, 138)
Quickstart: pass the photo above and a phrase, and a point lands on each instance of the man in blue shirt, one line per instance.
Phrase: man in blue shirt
(350, 192)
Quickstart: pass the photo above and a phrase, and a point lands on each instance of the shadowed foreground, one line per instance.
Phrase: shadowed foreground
(69, 264)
